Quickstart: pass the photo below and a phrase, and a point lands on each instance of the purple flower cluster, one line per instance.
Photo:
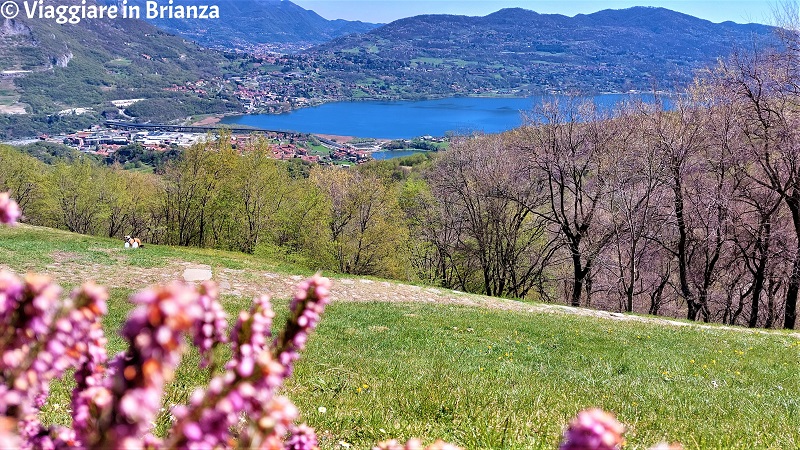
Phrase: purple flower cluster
(593, 429)
(30, 360)
(211, 329)
(301, 437)
(309, 302)
(27, 308)
(253, 375)
(77, 341)
(212, 413)
(155, 333)
(252, 331)
(91, 394)
(114, 404)
(9, 209)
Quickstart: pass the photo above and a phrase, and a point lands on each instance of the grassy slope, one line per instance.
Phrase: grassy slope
(491, 379)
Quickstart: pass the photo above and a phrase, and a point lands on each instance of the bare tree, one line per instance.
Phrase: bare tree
(637, 191)
(568, 147)
(493, 200)
(763, 83)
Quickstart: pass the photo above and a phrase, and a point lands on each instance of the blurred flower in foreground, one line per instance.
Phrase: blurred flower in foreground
(593, 429)
(9, 210)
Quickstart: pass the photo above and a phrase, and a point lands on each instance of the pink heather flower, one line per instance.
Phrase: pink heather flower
(9, 209)
(593, 429)
(278, 416)
(253, 329)
(301, 437)
(256, 371)
(31, 353)
(211, 328)
(155, 333)
(309, 302)
(246, 384)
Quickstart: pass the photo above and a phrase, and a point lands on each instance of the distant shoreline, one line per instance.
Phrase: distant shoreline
(215, 119)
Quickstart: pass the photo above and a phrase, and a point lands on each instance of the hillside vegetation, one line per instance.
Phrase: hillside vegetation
(249, 24)
(479, 377)
(689, 211)
(521, 52)
(95, 61)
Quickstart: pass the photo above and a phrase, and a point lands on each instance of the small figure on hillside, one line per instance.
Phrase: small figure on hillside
(133, 242)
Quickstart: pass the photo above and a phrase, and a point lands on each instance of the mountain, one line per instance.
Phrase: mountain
(516, 50)
(51, 67)
(245, 24)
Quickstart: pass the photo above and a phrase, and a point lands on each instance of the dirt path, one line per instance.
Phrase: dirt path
(66, 268)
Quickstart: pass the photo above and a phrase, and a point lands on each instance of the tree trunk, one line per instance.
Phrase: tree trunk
(757, 288)
(677, 188)
(578, 275)
(790, 313)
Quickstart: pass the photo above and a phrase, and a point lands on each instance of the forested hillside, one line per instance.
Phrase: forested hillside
(247, 24)
(95, 61)
(516, 51)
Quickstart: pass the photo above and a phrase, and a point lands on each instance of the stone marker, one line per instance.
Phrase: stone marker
(196, 274)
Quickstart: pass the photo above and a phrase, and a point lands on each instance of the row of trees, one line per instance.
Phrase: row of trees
(691, 210)
(213, 196)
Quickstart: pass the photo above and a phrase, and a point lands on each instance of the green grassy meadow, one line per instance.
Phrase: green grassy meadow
(487, 379)
(26, 248)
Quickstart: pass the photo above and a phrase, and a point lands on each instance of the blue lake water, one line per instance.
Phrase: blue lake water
(406, 119)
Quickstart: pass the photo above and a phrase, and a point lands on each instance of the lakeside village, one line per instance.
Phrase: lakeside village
(105, 141)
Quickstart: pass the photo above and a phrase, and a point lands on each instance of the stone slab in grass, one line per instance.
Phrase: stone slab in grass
(200, 273)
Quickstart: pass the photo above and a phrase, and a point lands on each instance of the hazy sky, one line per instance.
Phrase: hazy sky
(381, 11)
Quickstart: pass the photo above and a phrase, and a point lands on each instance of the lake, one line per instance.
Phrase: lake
(406, 119)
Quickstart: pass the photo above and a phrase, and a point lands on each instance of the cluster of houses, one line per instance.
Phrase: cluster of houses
(351, 154)
(280, 150)
(107, 141)
(271, 95)
(197, 87)
(291, 151)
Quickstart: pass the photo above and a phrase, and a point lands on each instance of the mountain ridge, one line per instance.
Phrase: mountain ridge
(606, 51)
(247, 24)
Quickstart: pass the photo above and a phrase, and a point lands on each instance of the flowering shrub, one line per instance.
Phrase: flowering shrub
(115, 402)
(595, 429)
(9, 210)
